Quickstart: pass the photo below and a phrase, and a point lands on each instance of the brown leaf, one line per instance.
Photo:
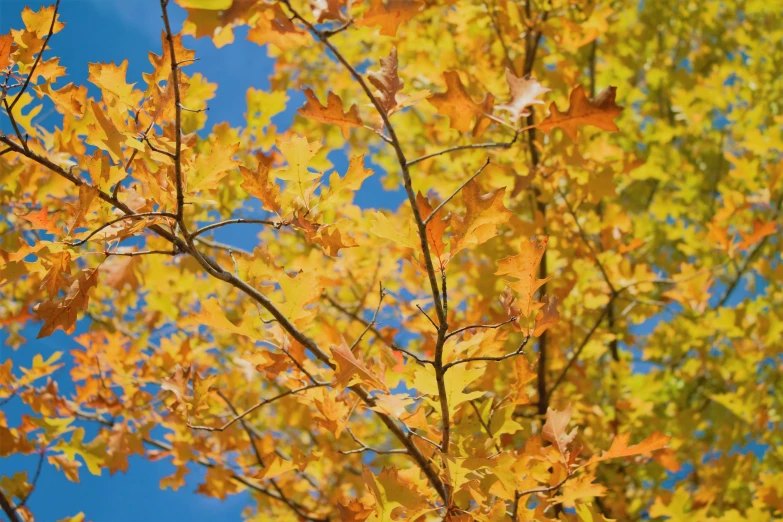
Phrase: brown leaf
(332, 112)
(387, 81)
(460, 108)
(55, 277)
(63, 313)
(599, 112)
(555, 429)
(548, 316)
(328, 10)
(524, 93)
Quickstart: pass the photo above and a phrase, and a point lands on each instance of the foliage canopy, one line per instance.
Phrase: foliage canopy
(574, 315)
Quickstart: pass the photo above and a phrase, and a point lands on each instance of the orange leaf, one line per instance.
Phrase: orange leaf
(62, 313)
(524, 93)
(484, 213)
(761, 230)
(42, 221)
(460, 108)
(258, 184)
(524, 267)
(327, 10)
(6, 43)
(389, 15)
(620, 447)
(332, 112)
(599, 112)
(350, 369)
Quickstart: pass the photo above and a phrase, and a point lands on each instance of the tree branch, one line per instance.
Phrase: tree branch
(518, 351)
(263, 402)
(437, 209)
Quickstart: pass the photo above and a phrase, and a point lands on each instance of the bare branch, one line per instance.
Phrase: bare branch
(375, 332)
(121, 218)
(459, 189)
(427, 316)
(363, 447)
(518, 351)
(239, 221)
(374, 317)
(488, 145)
(489, 326)
(264, 402)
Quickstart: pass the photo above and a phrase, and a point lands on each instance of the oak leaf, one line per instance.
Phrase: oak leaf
(620, 447)
(62, 313)
(6, 47)
(332, 112)
(41, 220)
(389, 15)
(547, 317)
(55, 277)
(351, 370)
(555, 429)
(484, 212)
(524, 93)
(387, 81)
(259, 185)
(599, 112)
(459, 106)
(524, 267)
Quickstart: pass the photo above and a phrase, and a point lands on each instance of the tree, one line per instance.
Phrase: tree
(577, 305)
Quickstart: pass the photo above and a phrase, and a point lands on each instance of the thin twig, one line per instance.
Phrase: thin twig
(382, 294)
(263, 402)
(427, 316)
(121, 218)
(239, 221)
(363, 447)
(488, 326)
(519, 351)
(437, 209)
(488, 145)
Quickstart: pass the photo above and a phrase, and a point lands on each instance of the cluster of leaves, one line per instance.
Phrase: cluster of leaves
(475, 354)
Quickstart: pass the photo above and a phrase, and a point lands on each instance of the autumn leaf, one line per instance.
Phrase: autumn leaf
(524, 93)
(332, 112)
(55, 278)
(389, 15)
(555, 429)
(259, 185)
(41, 220)
(6, 48)
(599, 112)
(620, 447)
(484, 213)
(524, 267)
(547, 317)
(460, 108)
(351, 370)
(387, 81)
(62, 313)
